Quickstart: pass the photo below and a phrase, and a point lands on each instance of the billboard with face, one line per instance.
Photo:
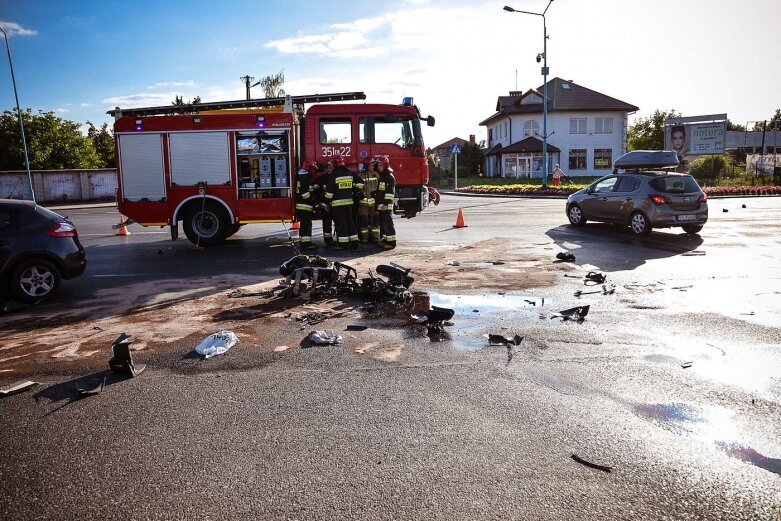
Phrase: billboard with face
(693, 139)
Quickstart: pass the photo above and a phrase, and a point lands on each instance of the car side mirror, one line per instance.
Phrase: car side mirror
(430, 121)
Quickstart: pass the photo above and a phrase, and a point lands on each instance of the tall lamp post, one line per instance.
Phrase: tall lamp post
(544, 86)
(19, 113)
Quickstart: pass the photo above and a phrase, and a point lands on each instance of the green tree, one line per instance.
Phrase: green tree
(469, 161)
(709, 167)
(273, 85)
(648, 133)
(735, 126)
(103, 141)
(179, 101)
(52, 143)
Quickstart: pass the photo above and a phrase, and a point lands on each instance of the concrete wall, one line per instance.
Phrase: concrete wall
(60, 185)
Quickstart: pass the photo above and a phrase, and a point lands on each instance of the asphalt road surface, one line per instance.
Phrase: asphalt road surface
(664, 403)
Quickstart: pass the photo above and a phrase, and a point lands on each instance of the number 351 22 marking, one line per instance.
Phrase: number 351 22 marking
(331, 151)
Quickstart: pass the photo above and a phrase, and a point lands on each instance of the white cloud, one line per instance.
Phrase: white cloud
(143, 99)
(61, 110)
(188, 83)
(82, 104)
(14, 29)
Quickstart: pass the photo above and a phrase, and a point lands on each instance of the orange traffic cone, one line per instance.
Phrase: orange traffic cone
(296, 225)
(122, 230)
(460, 220)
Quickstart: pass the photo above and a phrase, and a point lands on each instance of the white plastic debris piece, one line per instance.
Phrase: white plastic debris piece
(453, 263)
(325, 338)
(18, 388)
(217, 344)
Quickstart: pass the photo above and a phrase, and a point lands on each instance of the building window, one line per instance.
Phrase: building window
(603, 125)
(490, 135)
(531, 128)
(577, 125)
(577, 159)
(603, 158)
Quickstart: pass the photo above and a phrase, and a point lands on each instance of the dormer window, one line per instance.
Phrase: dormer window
(565, 86)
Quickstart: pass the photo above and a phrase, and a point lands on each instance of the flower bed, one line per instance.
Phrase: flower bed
(564, 191)
(729, 191)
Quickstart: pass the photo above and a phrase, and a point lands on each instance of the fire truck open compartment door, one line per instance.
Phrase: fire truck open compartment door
(141, 162)
(199, 156)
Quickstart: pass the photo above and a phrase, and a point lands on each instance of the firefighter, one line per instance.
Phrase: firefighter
(368, 225)
(304, 203)
(386, 189)
(319, 189)
(339, 196)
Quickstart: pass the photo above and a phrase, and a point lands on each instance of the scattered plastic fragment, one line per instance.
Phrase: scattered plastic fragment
(603, 468)
(606, 290)
(475, 311)
(18, 388)
(565, 257)
(121, 361)
(315, 317)
(577, 314)
(724, 210)
(595, 278)
(453, 263)
(217, 344)
(355, 327)
(687, 364)
(501, 340)
(325, 338)
(742, 205)
(97, 388)
(435, 319)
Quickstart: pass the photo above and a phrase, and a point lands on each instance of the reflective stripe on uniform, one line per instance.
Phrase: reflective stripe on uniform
(389, 197)
(341, 202)
(304, 207)
(367, 202)
(306, 195)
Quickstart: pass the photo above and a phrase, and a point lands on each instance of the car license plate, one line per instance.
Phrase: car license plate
(685, 217)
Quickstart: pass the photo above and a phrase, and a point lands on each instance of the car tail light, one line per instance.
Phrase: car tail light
(703, 198)
(62, 230)
(659, 199)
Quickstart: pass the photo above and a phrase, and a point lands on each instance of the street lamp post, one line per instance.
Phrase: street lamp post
(19, 113)
(544, 86)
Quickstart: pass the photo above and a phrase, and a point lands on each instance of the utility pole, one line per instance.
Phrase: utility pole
(19, 113)
(248, 83)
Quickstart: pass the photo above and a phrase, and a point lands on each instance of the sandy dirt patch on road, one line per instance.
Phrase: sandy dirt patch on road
(160, 313)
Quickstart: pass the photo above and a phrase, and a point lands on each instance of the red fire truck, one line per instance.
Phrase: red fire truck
(217, 166)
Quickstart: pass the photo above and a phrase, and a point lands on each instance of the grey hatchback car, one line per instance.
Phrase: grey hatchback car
(643, 200)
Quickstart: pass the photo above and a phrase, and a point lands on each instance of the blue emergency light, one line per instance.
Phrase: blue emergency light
(139, 124)
(261, 121)
(407, 102)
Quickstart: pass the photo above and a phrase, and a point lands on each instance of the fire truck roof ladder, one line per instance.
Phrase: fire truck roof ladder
(239, 104)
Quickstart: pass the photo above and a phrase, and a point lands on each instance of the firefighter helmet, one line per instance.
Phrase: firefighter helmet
(384, 161)
(309, 165)
(337, 160)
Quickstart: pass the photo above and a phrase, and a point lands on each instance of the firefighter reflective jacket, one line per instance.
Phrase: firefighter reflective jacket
(339, 190)
(304, 189)
(386, 190)
(370, 184)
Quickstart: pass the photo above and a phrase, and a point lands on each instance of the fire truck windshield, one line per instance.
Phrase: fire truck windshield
(404, 133)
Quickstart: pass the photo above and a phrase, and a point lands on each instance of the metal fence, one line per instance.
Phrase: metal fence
(60, 185)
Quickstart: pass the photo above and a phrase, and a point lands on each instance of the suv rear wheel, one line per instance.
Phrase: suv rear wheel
(34, 280)
(639, 224)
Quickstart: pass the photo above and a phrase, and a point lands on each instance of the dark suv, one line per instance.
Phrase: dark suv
(642, 199)
(38, 248)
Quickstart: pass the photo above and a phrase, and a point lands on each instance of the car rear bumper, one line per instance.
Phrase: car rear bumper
(663, 217)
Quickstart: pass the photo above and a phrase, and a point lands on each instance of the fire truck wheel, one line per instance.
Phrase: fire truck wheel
(234, 228)
(207, 227)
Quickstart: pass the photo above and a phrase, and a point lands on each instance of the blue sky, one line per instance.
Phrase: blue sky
(455, 57)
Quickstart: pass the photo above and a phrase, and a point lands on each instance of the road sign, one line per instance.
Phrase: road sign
(455, 149)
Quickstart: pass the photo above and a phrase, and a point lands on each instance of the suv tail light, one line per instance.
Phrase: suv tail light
(659, 199)
(62, 230)
(703, 198)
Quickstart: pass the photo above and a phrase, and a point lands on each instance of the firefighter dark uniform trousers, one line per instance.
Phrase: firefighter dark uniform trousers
(385, 192)
(319, 188)
(339, 195)
(304, 209)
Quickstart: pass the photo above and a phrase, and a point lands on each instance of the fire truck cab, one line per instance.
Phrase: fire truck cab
(218, 166)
